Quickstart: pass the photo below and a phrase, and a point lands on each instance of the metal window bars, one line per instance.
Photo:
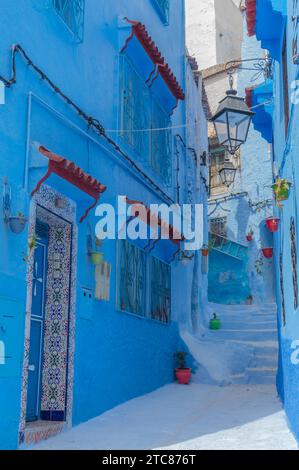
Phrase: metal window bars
(72, 14)
(145, 126)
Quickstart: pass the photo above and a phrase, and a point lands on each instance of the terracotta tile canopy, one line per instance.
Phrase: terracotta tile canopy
(72, 173)
(150, 47)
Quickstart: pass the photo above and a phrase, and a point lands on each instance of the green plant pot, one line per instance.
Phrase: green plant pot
(283, 193)
(215, 324)
(96, 258)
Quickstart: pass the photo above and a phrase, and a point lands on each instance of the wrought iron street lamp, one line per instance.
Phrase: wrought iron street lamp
(227, 173)
(232, 120)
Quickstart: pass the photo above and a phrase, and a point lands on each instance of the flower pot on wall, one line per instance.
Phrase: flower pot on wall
(281, 189)
(17, 224)
(183, 376)
(96, 258)
(267, 252)
(272, 224)
(249, 237)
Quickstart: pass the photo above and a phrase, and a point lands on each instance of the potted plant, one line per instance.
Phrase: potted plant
(96, 256)
(17, 223)
(267, 252)
(249, 236)
(205, 250)
(281, 189)
(215, 322)
(182, 373)
(272, 224)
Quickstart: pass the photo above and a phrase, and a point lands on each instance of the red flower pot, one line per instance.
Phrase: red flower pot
(272, 224)
(183, 376)
(205, 251)
(267, 252)
(249, 237)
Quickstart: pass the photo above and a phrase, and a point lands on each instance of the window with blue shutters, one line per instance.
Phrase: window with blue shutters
(162, 6)
(145, 125)
(72, 14)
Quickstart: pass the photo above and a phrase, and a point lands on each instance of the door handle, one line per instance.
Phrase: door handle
(31, 368)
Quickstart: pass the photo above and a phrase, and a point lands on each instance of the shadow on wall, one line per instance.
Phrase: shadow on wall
(242, 214)
(228, 279)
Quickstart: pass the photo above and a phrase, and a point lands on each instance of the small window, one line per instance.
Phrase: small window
(285, 85)
(218, 226)
(160, 290)
(72, 13)
(162, 6)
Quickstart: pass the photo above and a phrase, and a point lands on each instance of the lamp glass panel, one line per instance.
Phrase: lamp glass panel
(221, 128)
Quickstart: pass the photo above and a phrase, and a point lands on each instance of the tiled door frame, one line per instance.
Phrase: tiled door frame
(45, 202)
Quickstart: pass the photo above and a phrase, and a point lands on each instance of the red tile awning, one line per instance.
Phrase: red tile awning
(72, 173)
(150, 47)
(251, 16)
(153, 220)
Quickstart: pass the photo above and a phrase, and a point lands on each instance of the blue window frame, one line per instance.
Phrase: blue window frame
(141, 116)
(162, 6)
(160, 302)
(72, 14)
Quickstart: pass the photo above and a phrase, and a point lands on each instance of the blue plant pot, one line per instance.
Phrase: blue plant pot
(17, 224)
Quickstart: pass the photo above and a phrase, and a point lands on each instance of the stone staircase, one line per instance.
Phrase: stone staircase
(255, 327)
(244, 351)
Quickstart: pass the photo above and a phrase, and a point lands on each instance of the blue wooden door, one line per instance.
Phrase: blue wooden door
(37, 323)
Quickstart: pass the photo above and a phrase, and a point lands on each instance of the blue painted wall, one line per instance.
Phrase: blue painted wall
(117, 356)
(274, 22)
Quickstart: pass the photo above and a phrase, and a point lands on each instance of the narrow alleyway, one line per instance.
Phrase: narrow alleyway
(238, 409)
(197, 416)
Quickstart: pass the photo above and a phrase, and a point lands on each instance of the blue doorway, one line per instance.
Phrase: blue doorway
(37, 322)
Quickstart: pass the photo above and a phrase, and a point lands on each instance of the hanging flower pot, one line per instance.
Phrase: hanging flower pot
(267, 252)
(205, 250)
(96, 258)
(17, 223)
(281, 189)
(249, 236)
(272, 224)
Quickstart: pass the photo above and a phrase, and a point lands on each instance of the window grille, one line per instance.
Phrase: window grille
(218, 226)
(160, 291)
(141, 113)
(162, 6)
(132, 279)
(72, 13)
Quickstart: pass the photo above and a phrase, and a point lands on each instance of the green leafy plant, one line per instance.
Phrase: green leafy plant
(181, 359)
(259, 265)
(281, 189)
(32, 244)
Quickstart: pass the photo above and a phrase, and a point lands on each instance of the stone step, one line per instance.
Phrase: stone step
(249, 335)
